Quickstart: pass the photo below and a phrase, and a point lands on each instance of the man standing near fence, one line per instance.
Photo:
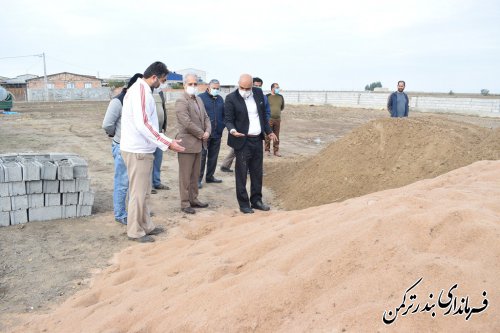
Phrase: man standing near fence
(398, 101)
(277, 104)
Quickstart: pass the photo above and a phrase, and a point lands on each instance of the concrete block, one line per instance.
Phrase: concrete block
(2, 173)
(8, 157)
(18, 216)
(31, 169)
(80, 167)
(49, 170)
(69, 199)
(86, 198)
(34, 186)
(66, 186)
(82, 185)
(52, 199)
(19, 202)
(5, 204)
(50, 186)
(17, 188)
(4, 189)
(36, 200)
(4, 219)
(83, 210)
(69, 211)
(13, 171)
(64, 170)
(45, 213)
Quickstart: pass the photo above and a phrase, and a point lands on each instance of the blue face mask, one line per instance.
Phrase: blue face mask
(277, 90)
(214, 92)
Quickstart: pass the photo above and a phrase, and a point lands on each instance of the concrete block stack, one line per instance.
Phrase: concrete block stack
(42, 187)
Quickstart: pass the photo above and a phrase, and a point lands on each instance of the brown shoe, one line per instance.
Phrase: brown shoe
(199, 204)
(153, 191)
(277, 154)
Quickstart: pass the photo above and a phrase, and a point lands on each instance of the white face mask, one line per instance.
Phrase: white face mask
(245, 93)
(214, 92)
(191, 90)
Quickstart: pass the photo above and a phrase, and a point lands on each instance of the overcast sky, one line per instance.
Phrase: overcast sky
(308, 45)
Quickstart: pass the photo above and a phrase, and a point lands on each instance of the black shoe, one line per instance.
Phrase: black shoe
(246, 210)
(143, 239)
(122, 221)
(188, 210)
(225, 169)
(199, 185)
(158, 230)
(213, 180)
(261, 206)
(161, 187)
(199, 205)
(153, 191)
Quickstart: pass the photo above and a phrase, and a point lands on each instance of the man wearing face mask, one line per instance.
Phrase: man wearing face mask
(139, 139)
(245, 119)
(214, 105)
(194, 130)
(277, 104)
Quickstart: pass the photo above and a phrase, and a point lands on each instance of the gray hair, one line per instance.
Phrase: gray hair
(213, 81)
(190, 75)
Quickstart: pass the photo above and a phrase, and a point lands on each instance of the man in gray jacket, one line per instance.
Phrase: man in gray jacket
(111, 125)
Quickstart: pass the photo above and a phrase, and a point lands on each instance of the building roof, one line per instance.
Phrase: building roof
(87, 76)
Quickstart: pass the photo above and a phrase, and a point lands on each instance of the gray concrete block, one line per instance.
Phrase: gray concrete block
(80, 167)
(5, 205)
(34, 186)
(52, 199)
(69, 211)
(50, 186)
(69, 199)
(13, 171)
(2, 173)
(4, 219)
(83, 210)
(61, 156)
(45, 213)
(64, 170)
(66, 186)
(82, 185)
(36, 200)
(19, 202)
(86, 198)
(18, 216)
(17, 188)
(49, 170)
(31, 169)
(4, 189)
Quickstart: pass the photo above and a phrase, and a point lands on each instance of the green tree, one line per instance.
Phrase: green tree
(373, 85)
(485, 92)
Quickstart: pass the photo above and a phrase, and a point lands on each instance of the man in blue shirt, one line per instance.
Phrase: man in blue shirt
(398, 101)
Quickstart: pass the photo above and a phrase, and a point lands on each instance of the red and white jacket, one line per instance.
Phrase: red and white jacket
(139, 127)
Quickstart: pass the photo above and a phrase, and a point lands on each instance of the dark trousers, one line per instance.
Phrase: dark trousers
(209, 156)
(249, 158)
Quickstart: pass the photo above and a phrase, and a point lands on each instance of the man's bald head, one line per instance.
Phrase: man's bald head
(246, 81)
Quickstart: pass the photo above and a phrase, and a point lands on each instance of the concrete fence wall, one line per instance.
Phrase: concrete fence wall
(89, 94)
(356, 99)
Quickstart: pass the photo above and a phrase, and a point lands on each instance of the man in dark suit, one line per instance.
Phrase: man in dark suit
(245, 120)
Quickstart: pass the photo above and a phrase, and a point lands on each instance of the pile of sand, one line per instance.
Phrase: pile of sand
(382, 154)
(332, 268)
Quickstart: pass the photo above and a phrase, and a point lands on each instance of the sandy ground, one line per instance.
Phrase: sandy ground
(42, 264)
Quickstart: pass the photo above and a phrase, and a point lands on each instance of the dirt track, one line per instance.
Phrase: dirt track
(43, 263)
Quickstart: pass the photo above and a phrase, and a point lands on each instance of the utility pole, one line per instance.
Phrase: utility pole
(45, 78)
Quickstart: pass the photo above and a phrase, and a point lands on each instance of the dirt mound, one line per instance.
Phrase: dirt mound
(333, 268)
(383, 154)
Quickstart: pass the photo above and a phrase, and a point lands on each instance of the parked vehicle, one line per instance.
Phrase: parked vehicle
(6, 99)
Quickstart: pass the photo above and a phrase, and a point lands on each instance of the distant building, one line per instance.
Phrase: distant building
(202, 75)
(17, 86)
(67, 86)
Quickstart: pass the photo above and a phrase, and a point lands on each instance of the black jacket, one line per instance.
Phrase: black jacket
(236, 116)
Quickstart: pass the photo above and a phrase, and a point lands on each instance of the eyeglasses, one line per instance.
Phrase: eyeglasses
(245, 89)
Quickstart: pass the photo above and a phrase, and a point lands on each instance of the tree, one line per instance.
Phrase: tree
(485, 92)
(373, 85)
(451, 92)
